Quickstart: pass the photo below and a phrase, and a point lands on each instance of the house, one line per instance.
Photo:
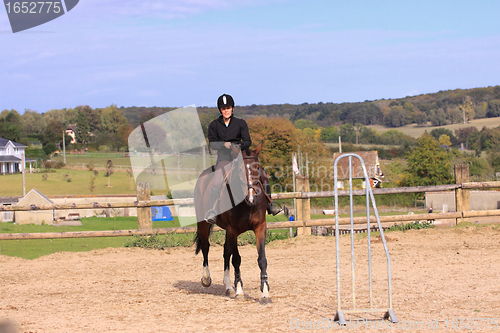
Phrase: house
(11, 157)
(372, 164)
(71, 131)
(34, 197)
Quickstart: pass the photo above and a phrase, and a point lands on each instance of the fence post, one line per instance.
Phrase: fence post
(144, 214)
(303, 205)
(462, 196)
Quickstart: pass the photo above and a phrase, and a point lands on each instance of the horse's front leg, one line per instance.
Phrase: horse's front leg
(227, 277)
(232, 244)
(260, 234)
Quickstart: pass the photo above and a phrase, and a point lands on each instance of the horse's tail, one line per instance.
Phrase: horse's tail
(197, 238)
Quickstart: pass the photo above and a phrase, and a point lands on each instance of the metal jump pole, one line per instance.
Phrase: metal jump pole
(388, 311)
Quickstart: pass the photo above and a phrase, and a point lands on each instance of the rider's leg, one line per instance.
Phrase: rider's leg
(271, 209)
(215, 191)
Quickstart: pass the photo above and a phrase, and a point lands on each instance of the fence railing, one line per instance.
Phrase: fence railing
(461, 193)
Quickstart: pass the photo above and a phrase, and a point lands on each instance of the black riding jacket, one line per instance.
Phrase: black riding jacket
(235, 132)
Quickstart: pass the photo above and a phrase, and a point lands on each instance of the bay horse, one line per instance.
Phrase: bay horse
(249, 213)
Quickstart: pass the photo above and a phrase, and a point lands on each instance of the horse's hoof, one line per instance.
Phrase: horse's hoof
(230, 293)
(265, 300)
(240, 297)
(206, 284)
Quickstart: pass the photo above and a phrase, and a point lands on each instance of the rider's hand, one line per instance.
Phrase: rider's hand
(227, 145)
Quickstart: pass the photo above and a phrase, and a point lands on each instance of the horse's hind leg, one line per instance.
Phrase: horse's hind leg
(227, 277)
(260, 233)
(203, 233)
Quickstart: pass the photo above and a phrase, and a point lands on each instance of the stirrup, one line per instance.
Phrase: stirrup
(273, 210)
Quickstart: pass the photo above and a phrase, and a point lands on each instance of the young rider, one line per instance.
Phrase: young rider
(222, 132)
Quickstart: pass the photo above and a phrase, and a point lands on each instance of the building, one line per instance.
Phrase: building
(7, 201)
(71, 131)
(372, 164)
(34, 197)
(11, 157)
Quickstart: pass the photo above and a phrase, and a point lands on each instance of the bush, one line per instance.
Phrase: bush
(412, 225)
(156, 242)
(58, 164)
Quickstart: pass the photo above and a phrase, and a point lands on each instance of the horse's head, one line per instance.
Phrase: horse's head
(251, 174)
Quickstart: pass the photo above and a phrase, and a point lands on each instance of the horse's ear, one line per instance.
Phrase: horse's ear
(259, 148)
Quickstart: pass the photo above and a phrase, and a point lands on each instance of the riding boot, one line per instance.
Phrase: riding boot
(212, 211)
(271, 209)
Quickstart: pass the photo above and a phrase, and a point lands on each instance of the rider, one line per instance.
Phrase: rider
(222, 132)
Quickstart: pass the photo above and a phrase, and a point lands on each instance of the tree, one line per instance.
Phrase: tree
(280, 140)
(303, 124)
(9, 131)
(428, 164)
(420, 118)
(112, 119)
(438, 117)
(93, 116)
(493, 108)
(438, 132)
(396, 117)
(53, 133)
(34, 123)
(109, 171)
(329, 134)
(444, 140)
(347, 133)
(467, 110)
(82, 128)
(462, 134)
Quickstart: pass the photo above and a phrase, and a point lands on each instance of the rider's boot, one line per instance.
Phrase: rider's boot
(271, 209)
(212, 212)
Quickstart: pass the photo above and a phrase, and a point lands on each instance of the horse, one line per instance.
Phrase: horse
(249, 214)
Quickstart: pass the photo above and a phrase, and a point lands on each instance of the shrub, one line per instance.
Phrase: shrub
(412, 225)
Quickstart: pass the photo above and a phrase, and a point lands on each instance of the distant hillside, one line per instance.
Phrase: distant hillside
(441, 108)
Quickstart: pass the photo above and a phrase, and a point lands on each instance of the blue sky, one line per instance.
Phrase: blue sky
(181, 52)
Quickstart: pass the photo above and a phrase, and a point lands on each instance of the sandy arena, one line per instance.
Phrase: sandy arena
(438, 274)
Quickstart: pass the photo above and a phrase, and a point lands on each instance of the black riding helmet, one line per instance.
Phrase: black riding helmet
(225, 100)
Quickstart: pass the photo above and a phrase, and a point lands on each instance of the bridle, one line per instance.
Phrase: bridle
(251, 186)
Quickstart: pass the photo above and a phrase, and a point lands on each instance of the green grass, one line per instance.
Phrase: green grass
(56, 184)
(34, 248)
(415, 131)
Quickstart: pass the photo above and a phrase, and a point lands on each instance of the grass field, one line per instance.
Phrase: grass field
(34, 248)
(415, 131)
(57, 183)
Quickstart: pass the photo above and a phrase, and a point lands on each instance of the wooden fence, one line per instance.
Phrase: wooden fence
(303, 222)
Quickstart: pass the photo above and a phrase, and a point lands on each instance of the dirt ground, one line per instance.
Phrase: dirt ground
(438, 275)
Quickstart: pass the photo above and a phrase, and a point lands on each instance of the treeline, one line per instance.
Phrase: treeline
(441, 108)
(107, 127)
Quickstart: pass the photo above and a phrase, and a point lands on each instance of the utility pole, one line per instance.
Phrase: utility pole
(340, 145)
(64, 146)
(24, 180)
